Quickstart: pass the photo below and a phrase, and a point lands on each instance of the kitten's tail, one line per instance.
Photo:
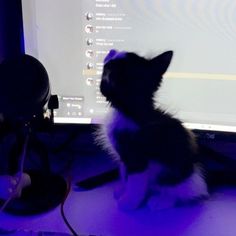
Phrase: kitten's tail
(220, 169)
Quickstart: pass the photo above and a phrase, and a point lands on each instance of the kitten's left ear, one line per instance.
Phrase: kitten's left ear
(162, 61)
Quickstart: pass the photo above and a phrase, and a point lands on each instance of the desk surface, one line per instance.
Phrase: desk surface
(96, 212)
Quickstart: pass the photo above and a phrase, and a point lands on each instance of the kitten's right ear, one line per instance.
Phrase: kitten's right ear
(162, 62)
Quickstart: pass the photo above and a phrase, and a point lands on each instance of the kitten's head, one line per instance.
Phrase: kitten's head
(130, 80)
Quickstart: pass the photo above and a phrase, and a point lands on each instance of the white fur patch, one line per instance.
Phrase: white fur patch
(192, 188)
(115, 120)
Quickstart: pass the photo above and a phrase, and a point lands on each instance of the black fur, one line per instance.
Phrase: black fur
(129, 83)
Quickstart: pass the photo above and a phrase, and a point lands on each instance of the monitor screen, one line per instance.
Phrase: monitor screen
(71, 38)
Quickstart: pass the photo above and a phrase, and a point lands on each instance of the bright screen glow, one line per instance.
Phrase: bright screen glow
(71, 38)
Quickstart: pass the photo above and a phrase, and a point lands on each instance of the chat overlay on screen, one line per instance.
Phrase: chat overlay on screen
(73, 38)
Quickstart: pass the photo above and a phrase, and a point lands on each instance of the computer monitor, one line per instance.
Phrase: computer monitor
(71, 39)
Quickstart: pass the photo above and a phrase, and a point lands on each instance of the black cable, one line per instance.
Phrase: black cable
(63, 211)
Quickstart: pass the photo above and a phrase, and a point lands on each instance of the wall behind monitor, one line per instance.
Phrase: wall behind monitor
(11, 29)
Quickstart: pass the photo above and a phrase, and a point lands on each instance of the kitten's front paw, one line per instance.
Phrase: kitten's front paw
(128, 202)
(119, 191)
(135, 192)
(160, 202)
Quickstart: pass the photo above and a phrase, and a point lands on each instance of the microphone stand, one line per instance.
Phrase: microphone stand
(47, 189)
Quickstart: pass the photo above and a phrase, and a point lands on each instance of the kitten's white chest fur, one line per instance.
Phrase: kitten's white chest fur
(115, 121)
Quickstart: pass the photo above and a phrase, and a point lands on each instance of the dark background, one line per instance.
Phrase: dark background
(11, 29)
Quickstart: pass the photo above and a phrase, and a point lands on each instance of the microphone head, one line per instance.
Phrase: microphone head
(24, 87)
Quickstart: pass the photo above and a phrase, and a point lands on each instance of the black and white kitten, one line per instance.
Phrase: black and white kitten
(158, 155)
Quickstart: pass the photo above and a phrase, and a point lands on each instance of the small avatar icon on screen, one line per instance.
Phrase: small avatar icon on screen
(90, 81)
(89, 29)
(89, 53)
(89, 65)
(89, 15)
(89, 41)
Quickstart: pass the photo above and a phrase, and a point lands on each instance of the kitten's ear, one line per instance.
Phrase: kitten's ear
(110, 55)
(162, 62)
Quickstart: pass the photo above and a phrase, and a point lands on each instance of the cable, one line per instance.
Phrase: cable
(21, 170)
(62, 208)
